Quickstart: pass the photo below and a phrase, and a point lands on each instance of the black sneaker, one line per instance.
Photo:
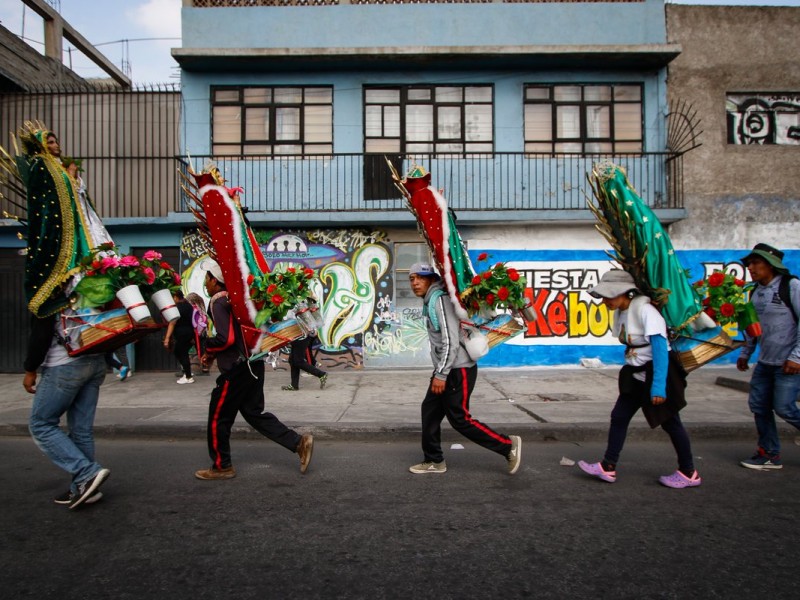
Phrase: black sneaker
(66, 498)
(88, 488)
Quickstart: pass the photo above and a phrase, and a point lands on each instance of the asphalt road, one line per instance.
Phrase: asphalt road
(358, 525)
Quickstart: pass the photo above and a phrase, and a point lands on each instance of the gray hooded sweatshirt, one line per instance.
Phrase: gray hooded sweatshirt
(447, 353)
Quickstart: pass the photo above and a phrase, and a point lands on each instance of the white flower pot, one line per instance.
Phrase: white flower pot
(132, 300)
(166, 304)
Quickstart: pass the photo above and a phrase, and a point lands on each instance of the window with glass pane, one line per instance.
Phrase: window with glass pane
(584, 118)
(442, 119)
(265, 120)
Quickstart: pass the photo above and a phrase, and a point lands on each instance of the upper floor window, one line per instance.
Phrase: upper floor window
(763, 118)
(583, 118)
(428, 118)
(272, 121)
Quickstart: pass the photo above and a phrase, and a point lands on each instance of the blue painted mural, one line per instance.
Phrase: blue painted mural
(571, 324)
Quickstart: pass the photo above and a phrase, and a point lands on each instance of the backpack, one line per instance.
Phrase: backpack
(474, 342)
(784, 295)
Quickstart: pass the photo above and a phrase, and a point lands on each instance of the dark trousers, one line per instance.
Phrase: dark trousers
(453, 403)
(300, 359)
(181, 351)
(621, 415)
(242, 390)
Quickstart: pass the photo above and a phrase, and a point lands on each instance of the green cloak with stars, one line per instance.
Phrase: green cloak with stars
(642, 247)
(57, 234)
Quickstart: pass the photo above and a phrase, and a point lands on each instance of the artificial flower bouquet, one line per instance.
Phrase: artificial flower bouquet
(105, 271)
(163, 277)
(494, 288)
(725, 299)
(276, 293)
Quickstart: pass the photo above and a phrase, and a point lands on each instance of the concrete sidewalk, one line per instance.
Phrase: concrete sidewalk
(540, 403)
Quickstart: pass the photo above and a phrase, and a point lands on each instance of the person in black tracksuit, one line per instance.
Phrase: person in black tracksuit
(300, 359)
(181, 331)
(239, 388)
(452, 382)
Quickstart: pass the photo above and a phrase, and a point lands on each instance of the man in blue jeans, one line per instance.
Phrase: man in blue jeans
(776, 378)
(68, 386)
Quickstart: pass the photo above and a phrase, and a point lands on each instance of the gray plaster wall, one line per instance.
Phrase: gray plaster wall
(736, 195)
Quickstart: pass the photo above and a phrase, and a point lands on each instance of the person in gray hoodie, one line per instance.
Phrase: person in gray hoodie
(452, 381)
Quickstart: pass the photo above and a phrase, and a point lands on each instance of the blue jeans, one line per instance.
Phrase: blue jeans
(773, 392)
(72, 389)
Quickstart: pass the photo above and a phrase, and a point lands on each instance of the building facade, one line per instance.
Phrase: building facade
(507, 104)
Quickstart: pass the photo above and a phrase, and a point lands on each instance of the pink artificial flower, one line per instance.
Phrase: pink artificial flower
(149, 275)
(109, 262)
(176, 278)
(151, 255)
(128, 261)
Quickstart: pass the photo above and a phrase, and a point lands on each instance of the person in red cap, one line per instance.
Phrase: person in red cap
(775, 382)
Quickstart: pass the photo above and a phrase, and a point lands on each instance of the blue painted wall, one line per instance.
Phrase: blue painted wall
(491, 24)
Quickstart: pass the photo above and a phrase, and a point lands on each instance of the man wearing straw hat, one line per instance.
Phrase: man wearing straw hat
(452, 381)
(775, 383)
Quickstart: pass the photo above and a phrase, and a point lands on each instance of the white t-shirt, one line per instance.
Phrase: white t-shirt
(652, 323)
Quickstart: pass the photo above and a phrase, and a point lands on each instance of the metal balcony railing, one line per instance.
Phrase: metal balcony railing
(485, 182)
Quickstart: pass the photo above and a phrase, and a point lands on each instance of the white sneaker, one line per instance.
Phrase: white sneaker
(184, 379)
(429, 467)
(515, 456)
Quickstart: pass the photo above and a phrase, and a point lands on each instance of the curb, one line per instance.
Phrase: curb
(535, 432)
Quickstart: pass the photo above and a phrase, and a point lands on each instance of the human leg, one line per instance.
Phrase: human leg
(784, 399)
(432, 413)
(248, 379)
(680, 441)
(760, 401)
(621, 415)
(455, 401)
(58, 390)
(181, 351)
(222, 410)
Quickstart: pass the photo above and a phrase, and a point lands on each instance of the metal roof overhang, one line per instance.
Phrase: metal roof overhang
(645, 57)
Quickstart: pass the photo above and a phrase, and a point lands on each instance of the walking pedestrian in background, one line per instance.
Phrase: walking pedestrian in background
(180, 332)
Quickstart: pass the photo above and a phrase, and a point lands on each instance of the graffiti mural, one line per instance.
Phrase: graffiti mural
(354, 289)
(763, 118)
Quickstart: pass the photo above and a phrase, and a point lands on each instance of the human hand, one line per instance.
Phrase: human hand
(166, 342)
(437, 386)
(29, 382)
(791, 368)
(741, 363)
(658, 400)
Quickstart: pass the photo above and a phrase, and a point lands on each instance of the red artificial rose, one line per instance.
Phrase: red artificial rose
(277, 299)
(489, 298)
(502, 293)
(483, 256)
(498, 265)
(96, 264)
(291, 270)
(176, 278)
(250, 279)
(711, 312)
(476, 280)
(706, 301)
(165, 265)
(89, 273)
(309, 273)
(716, 279)
(271, 288)
(739, 282)
(487, 274)
(698, 283)
(513, 275)
(475, 305)
(727, 309)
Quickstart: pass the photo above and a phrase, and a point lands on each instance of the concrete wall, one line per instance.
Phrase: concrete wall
(736, 195)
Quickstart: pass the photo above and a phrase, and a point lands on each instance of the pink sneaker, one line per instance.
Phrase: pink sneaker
(679, 481)
(596, 470)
